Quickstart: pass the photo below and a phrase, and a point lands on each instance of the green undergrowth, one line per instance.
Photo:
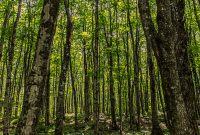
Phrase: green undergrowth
(88, 128)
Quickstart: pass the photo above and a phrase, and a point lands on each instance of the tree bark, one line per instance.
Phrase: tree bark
(119, 73)
(60, 113)
(110, 65)
(96, 69)
(29, 119)
(156, 130)
(163, 43)
(74, 93)
(8, 92)
(136, 72)
(183, 64)
(86, 82)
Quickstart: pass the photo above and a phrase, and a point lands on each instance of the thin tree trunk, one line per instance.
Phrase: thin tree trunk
(103, 90)
(96, 69)
(195, 75)
(136, 73)
(60, 113)
(195, 13)
(4, 26)
(14, 80)
(156, 130)
(18, 95)
(146, 93)
(1, 87)
(47, 98)
(86, 82)
(8, 92)
(110, 64)
(74, 97)
(111, 79)
(119, 74)
(130, 99)
(161, 99)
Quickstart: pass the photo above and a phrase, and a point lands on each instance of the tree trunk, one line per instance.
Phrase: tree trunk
(184, 69)
(47, 97)
(146, 93)
(75, 103)
(130, 92)
(96, 69)
(195, 75)
(4, 26)
(2, 87)
(163, 44)
(119, 73)
(110, 65)
(86, 82)
(136, 73)
(18, 95)
(156, 130)
(28, 120)
(8, 92)
(196, 14)
(60, 113)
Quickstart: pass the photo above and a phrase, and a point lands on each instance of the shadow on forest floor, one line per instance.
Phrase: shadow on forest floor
(88, 128)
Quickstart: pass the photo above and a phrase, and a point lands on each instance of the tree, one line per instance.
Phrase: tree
(109, 42)
(163, 43)
(91, 67)
(28, 120)
(8, 92)
(156, 130)
(5, 23)
(86, 80)
(96, 69)
(64, 67)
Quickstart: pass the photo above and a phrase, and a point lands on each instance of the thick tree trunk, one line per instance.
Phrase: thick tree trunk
(28, 120)
(163, 44)
(183, 63)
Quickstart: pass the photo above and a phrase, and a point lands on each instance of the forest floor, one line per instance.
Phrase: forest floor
(87, 128)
